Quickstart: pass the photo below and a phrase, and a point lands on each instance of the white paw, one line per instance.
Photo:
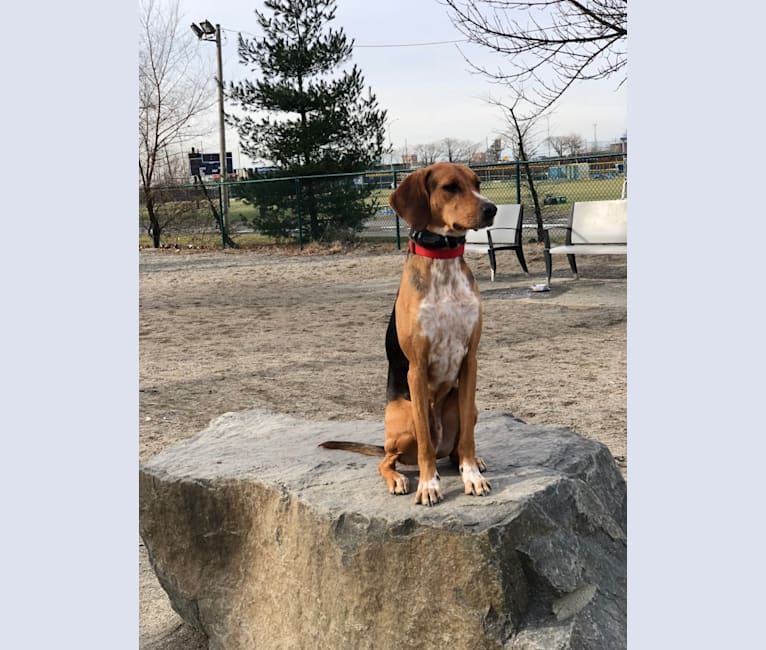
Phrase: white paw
(429, 492)
(473, 480)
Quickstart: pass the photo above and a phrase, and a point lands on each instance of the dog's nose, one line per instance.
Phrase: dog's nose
(488, 212)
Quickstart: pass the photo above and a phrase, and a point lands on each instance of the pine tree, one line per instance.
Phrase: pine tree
(318, 118)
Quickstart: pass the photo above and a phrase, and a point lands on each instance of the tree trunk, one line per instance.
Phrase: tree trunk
(311, 201)
(535, 199)
(528, 171)
(155, 229)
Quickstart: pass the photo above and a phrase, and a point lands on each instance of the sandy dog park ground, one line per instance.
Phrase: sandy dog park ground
(302, 333)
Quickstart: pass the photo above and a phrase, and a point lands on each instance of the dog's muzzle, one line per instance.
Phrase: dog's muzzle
(487, 214)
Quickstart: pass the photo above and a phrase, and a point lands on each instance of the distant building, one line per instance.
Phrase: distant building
(410, 159)
(493, 153)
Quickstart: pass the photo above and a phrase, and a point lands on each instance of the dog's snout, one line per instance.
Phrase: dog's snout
(488, 212)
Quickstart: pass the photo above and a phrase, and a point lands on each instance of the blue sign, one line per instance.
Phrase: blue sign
(208, 164)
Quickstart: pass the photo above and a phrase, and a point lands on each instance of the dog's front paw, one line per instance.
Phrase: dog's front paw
(429, 492)
(474, 482)
(398, 483)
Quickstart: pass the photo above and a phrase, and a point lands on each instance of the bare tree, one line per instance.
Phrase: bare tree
(566, 145)
(452, 146)
(173, 89)
(521, 136)
(557, 144)
(429, 153)
(548, 44)
(574, 143)
(459, 151)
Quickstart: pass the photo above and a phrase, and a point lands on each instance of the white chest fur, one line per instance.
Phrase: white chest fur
(448, 314)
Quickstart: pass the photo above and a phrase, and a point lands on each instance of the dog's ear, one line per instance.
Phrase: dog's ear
(411, 200)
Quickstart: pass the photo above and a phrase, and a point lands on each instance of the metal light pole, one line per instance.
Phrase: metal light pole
(206, 32)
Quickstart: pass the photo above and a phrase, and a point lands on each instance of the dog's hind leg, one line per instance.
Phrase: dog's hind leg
(400, 445)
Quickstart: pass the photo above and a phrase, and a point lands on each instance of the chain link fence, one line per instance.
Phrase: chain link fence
(355, 206)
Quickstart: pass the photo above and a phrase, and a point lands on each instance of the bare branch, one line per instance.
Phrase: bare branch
(174, 88)
(546, 45)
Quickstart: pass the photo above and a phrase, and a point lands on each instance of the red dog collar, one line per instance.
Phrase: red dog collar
(437, 253)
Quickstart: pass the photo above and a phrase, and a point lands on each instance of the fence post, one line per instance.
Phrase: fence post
(298, 211)
(398, 235)
(518, 182)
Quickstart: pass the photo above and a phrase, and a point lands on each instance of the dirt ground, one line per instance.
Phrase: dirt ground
(303, 332)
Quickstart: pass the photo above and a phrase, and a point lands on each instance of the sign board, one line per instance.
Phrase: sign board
(208, 164)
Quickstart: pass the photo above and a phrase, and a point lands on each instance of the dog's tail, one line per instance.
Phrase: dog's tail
(356, 447)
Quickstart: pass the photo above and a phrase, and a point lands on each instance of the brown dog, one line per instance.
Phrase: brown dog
(433, 336)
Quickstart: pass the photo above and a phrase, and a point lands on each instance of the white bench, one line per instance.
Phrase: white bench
(594, 228)
(503, 235)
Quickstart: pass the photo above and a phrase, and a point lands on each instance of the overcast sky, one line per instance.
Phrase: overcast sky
(428, 91)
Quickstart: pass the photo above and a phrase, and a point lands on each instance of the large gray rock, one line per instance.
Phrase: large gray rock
(263, 540)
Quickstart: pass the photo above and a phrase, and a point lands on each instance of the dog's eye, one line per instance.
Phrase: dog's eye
(451, 187)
